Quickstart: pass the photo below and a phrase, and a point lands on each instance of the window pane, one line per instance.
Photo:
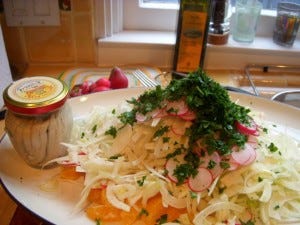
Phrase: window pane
(271, 4)
(161, 1)
(267, 4)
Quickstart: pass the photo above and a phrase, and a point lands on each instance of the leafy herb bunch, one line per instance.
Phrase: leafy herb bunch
(215, 112)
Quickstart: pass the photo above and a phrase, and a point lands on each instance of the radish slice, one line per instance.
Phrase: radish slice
(233, 165)
(171, 165)
(159, 113)
(251, 129)
(252, 140)
(243, 155)
(201, 181)
(189, 115)
(177, 108)
(215, 157)
(140, 117)
(252, 157)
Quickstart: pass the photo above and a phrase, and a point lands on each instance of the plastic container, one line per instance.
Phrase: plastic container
(38, 119)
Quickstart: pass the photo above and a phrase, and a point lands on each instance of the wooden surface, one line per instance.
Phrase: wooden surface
(24, 217)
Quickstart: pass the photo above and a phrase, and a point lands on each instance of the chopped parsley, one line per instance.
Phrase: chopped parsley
(183, 171)
(249, 222)
(211, 164)
(163, 219)
(141, 181)
(128, 117)
(272, 147)
(222, 189)
(177, 151)
(215, 114)
(161, 131)
(276, 207)
(143, 212)
(166, 139)
(193, 195)
(224, 165)
(265, 130)
(114, 157)
(94, 128)
(111, 131)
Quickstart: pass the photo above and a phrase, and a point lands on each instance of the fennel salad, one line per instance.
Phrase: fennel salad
(189, 150)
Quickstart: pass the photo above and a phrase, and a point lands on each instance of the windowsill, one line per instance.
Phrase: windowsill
(169, 38)
(141, 37)
(235, 54)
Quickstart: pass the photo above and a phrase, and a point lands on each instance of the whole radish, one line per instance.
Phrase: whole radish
(118, 79)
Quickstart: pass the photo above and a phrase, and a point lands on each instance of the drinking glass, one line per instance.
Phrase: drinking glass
(287, 23)
(247, 13)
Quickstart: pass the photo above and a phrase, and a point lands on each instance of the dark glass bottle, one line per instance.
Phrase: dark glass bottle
(192, 28)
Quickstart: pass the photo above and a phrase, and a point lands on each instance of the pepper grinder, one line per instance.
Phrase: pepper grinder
(219, 25)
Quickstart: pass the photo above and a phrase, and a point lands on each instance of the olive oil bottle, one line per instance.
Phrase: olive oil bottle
(191, 39)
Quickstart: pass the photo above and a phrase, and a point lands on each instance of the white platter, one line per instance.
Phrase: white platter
(24, 183)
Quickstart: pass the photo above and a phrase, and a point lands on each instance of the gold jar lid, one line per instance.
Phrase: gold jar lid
(35, 95)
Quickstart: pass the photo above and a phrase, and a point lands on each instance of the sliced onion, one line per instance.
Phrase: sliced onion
(112, 198)
(200, 217)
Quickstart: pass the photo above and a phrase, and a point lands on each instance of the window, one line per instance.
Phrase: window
(271, 4)
(267, 4)
(139, 31)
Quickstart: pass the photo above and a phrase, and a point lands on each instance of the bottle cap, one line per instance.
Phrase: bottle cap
(35, 95)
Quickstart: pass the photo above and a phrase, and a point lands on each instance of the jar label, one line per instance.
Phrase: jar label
(35, 89)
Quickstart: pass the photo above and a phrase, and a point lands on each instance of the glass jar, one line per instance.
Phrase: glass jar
(38, 119)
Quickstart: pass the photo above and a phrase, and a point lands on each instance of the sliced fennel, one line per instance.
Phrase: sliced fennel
(265, 192)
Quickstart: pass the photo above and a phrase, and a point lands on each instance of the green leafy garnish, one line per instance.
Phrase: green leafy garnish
(94, 128)
(143, 212)
(272, 147)
(160, 132)
(215, 113)
(114, 157)
(141, 181)
(163, 219)
(249, 222)
(111, 131)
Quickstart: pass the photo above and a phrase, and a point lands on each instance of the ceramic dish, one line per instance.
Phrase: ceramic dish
(54, 202)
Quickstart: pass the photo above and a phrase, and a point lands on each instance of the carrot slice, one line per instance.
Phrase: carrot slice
(70, 173)
(102, 210)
